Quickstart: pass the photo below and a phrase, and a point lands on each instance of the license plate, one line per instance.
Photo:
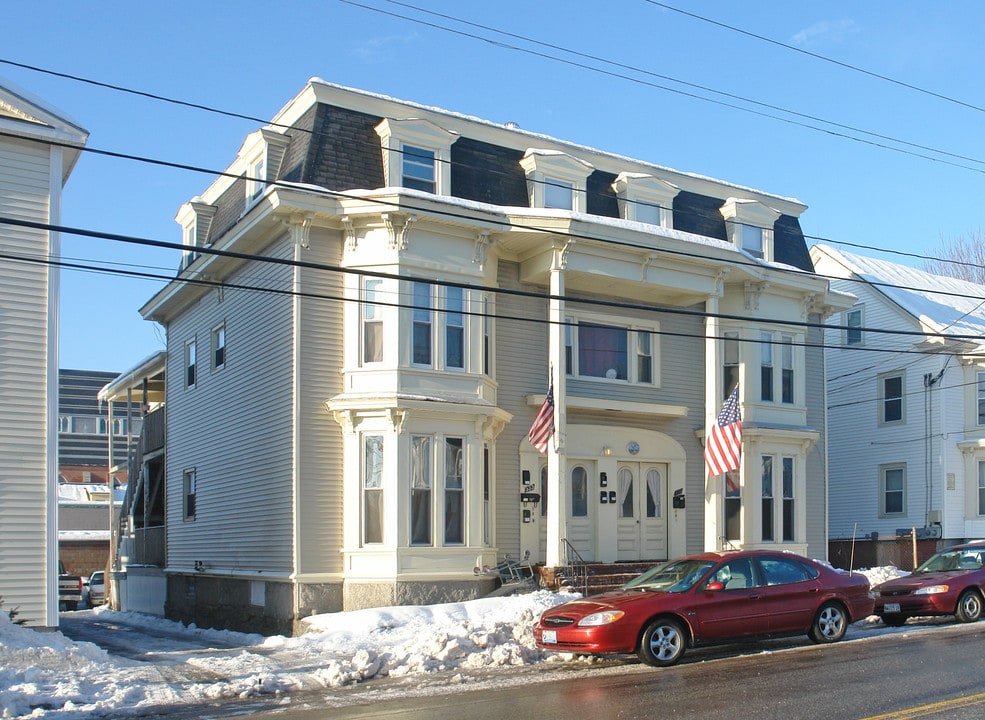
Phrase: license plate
(549, 636)
(891, 608)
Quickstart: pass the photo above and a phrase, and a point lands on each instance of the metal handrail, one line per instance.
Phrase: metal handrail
(579, 567)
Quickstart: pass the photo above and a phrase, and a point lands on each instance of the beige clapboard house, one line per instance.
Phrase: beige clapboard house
(39, 147)
(370, 302)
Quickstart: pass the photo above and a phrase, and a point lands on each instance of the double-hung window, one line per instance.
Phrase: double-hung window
(981, 397)
(422, 324)
(786, 369)
(768, 499)
(730, 362)
(454, 327)
(893, 485)
(853, 326)
(787, 479)
(219, 346)
(981, 487)
(558, 194)
(191, 377)
(190, 492)
(418, 168)
(454, 491)
(611, 352)
(766, 366)
(891, 399)
(372, 489)
(421, 469)
(372, 322)
(752, 240)
(257, 181)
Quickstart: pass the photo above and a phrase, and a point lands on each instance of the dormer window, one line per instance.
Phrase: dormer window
(418, 169)
(195, 218)
(555, 179)
(416, 155)
(257, 180)
(261, 157)
(645, 198)
(559, 194)
(750, 226)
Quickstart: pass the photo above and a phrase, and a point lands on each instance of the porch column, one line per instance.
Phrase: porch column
(557, 502)
(714, 510)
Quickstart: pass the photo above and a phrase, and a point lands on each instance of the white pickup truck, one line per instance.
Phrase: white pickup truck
(69, 589)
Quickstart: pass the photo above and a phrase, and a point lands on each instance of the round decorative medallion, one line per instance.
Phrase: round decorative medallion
(633, 447)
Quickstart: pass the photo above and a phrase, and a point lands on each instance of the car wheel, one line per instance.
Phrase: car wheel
(969, 607)
(663, 643)
(894, 620)
(829, 624)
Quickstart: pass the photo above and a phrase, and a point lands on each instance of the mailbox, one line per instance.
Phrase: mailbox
(529, 497)
(678, 500)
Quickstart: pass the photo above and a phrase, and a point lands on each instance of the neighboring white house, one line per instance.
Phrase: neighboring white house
(369, 306)
(33, 171)
(906, 401)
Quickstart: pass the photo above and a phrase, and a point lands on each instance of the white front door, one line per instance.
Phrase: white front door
(641, 511)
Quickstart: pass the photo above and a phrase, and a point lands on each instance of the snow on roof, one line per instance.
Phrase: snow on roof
(943, 304)
(88, 493)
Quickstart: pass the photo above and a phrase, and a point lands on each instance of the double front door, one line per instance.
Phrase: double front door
(641, 511)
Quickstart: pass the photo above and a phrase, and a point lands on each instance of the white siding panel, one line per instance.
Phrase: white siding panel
(235, 428)
(24, 173)
(320, 335)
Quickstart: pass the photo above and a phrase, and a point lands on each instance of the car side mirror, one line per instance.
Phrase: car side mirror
(714, 586)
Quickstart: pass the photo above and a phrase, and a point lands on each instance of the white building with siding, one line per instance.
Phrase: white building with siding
(906, 401)
(33, 171)
(370, 305)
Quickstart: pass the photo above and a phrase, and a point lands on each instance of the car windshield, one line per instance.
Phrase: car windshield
(675, 577)
(96, 577)
(957, 559)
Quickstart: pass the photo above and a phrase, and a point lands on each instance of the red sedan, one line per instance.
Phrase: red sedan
(952, 582)
(708, 598)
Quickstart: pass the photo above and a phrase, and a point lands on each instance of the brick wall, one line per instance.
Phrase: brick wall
(83, 557)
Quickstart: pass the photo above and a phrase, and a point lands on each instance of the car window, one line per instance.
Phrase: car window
(736, 575)
(781, 571)
(676, 577)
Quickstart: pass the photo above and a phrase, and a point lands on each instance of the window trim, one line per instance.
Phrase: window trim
(548, 167)
(636, 190)
(740, 214)
(365, 489)
(218, 331)
(851, 328)
(371, 313)
(417, 320)
(189, 491)
(395, 134)
(191, 364)
(883, 490)
(883, 399)
(632, 327)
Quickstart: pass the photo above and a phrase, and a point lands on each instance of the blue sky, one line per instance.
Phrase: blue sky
(251, 58)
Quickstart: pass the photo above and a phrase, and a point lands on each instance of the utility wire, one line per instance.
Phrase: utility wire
(686, 312)
(522, 226)
(684, 93)
(817, 56)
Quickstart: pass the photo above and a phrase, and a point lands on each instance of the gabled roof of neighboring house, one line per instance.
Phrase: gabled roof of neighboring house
(943, 305)
(26, 115)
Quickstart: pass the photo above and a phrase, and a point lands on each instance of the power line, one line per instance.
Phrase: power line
(684, 93)
(686, 312)
(505, 223)
(818, 56)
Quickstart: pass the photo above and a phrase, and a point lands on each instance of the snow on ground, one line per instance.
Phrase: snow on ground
(46, 675)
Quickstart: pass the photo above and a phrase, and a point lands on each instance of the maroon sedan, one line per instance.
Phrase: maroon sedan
(708, 598)
(952, 582)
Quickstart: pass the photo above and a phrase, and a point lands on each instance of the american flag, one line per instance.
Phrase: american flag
(723, 445)
(543, 425)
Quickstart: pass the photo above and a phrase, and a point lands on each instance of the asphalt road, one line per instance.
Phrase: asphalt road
(931, 672)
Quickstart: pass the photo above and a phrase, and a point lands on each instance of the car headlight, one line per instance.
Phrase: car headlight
(600, 618)
(931, 590)
(874, 594)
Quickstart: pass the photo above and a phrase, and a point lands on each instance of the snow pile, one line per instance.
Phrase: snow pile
(46, 675)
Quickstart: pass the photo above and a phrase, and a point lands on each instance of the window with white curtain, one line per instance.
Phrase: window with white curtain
(653, 494)
(624, 493)
(454, 491)
(372, 489)
(420, 489)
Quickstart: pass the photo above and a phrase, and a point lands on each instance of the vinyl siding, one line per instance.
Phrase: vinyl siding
(320, 334)
(235, 428)
(817, 506)
(521, 370)
(858, 444)
(24, 194)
